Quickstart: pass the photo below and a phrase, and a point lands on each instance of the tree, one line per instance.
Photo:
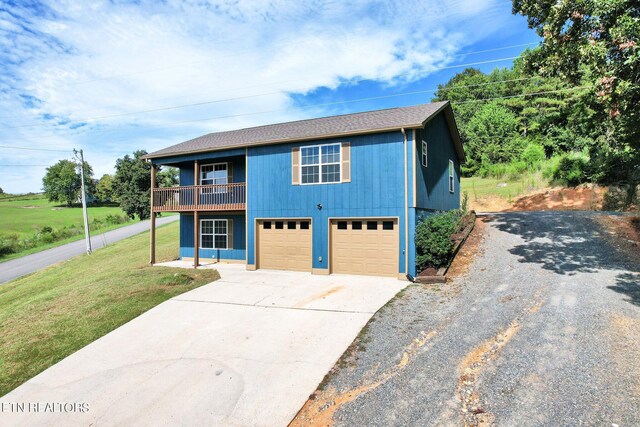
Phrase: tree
(594, 43)
(132, 184)
(1, 190)
(61, 182)
(104, 188)
(168, 177)
(493, 136)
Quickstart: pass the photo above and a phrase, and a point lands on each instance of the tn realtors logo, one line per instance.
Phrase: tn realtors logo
(43, 407)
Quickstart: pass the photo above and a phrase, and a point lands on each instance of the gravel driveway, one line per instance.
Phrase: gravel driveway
(544, 329)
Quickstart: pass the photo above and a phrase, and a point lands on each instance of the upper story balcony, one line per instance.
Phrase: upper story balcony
(218, 197)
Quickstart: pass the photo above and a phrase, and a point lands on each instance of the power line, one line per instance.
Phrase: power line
(33, 149)
(370, 99)
(89, 119)
(23, 166)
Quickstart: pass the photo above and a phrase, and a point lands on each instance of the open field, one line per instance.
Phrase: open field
(26, 216)
(50, 314)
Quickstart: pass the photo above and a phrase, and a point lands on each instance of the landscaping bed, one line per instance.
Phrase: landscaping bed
(439, 251)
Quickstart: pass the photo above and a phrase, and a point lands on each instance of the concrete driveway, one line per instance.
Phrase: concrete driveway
(245, 350)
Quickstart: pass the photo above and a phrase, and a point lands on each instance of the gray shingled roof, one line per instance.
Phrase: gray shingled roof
(347, 124)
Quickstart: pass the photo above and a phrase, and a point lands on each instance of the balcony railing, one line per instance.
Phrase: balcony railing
(222, 197)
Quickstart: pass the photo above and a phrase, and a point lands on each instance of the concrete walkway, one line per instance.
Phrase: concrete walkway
(245, 350)
(28, 264)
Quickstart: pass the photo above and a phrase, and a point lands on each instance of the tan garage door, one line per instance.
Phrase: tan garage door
(365, 246)
(284, 244)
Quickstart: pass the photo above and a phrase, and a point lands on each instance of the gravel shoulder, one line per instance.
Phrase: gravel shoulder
(540, 328)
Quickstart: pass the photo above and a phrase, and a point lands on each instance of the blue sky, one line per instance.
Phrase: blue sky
(114, 76)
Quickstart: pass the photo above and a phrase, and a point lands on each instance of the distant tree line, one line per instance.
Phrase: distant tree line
(129, 186)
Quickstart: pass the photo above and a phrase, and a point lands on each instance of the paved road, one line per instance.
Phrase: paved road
(28, 264)
(542, 331)
(246, 350)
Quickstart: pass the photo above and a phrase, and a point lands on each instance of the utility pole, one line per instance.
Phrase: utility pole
(87, 237)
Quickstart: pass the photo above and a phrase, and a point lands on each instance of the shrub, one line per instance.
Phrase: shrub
(9, 244)
(434, 246)
(116, 219)
(532, 155)
(572, 169)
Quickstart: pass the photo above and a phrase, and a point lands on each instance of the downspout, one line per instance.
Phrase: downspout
(406, 205)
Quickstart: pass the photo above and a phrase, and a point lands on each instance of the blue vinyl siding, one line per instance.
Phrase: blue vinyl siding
(376, 189)
(432, 182)
(432, 186)
(238, 252)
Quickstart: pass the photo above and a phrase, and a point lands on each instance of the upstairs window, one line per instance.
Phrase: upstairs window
(424, 153)
(451, 179)
(214, 174)
(320, 164)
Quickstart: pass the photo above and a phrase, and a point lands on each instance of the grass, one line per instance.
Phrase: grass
(25, 216)
(478, 188)
(48, 315)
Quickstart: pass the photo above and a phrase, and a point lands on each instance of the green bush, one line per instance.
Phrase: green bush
(9, 244)
(434, 246)
(533, 155)
(572, 169)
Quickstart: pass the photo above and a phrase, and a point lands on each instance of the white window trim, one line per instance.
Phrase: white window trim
(424, 153)
(452, 181)
(214, 234)
(320, 164)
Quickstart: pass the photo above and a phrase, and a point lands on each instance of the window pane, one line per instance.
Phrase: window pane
(330, 173)
(207, 241)
(387, 225)
(356, 225)
(221, 227)
(206, 227)
(342, 225)
(304, 225)
(267, 225)
(310, 174)
(291, 225)
(221, 242)
(372, 225)
(331, 153)
(450, 168)
(310, 155)
(279, 225)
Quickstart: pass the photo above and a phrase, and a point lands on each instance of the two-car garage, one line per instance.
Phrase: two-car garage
(367, 246)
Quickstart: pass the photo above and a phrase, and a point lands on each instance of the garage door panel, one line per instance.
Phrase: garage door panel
(284, 248)
(369, 249)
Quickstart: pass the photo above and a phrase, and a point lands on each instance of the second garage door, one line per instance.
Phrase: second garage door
(284, 244)
(365, 246)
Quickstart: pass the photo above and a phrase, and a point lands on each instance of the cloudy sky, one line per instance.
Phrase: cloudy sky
(111, 77)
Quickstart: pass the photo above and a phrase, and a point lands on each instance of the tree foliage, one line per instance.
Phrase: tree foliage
(168, 177)
(132, 184)
(595, 43)
(104, 188)
(62, 183)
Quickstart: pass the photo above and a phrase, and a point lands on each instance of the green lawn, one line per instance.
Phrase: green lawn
(27, 216)
(50, 314)
(478, 188)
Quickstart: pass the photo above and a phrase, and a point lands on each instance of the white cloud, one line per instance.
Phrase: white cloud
(75, 61)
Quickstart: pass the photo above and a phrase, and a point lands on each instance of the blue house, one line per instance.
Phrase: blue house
(337, 194)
